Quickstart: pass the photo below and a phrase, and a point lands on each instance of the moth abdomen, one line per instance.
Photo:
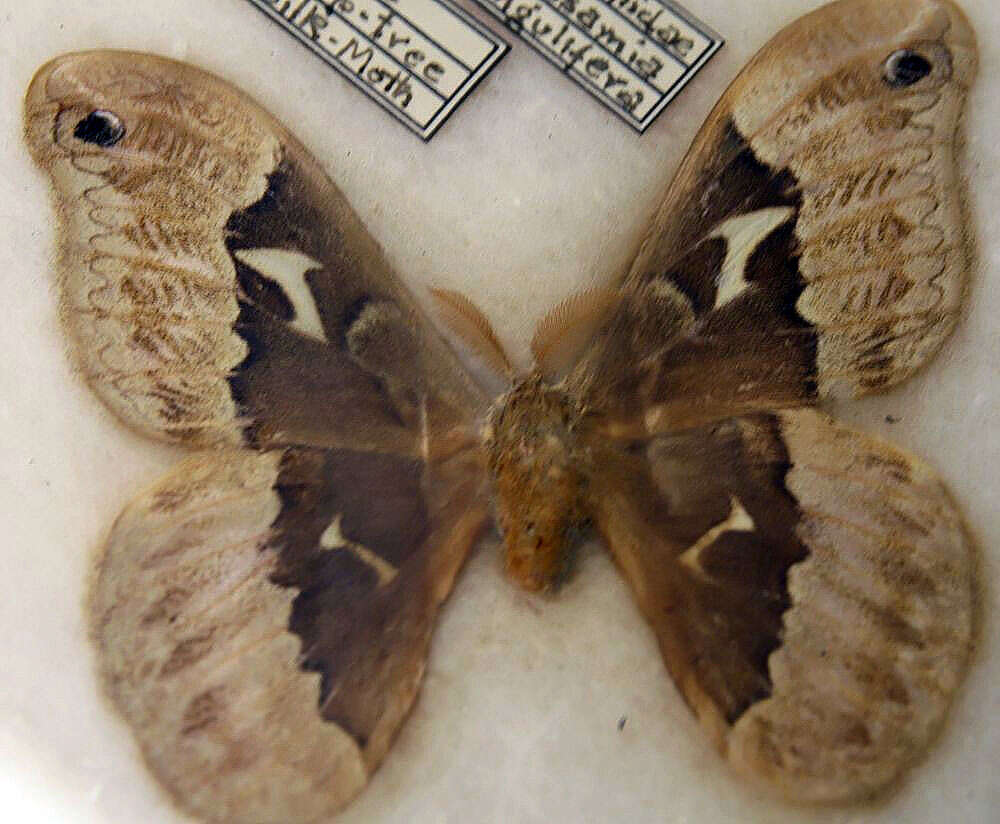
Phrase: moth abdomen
(537, 468)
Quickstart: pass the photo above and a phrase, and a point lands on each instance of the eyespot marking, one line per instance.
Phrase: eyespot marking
(905, 67)
(100, 127)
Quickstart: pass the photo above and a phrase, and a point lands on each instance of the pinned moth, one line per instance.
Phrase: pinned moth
(262, 614)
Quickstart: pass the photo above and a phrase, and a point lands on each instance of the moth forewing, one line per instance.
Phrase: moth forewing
(864, 281)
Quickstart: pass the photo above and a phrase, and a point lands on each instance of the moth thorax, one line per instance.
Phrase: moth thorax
(537, 474)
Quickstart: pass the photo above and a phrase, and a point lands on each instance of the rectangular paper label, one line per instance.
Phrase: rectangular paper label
(416, 58)
(632, 55)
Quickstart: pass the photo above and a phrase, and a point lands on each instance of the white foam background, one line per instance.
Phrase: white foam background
(531, 191)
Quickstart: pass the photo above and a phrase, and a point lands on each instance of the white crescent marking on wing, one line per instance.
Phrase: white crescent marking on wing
(288, 269)
(743, 234)
(739, 520)
(333, 538)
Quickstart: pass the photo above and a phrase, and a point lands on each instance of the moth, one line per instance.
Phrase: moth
(262, 614)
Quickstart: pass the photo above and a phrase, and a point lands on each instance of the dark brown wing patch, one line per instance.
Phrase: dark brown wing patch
(723, 334)
(717, 538)
(734, 181)
(349, 536)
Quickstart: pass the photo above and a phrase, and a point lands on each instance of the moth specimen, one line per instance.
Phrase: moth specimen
(262, 614)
